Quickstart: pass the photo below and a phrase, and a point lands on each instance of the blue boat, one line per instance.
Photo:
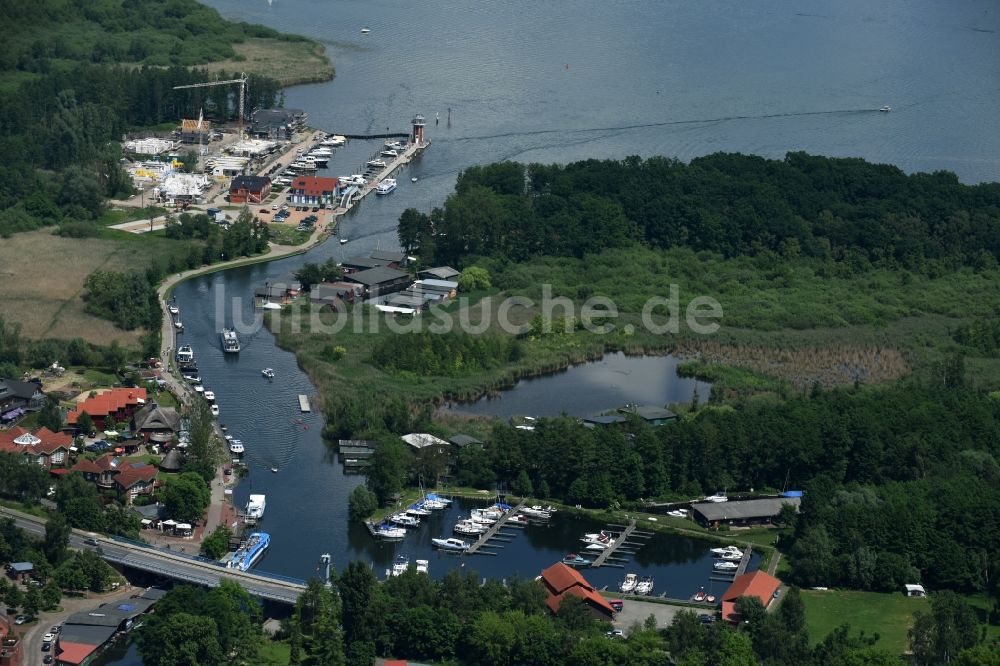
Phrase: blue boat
(576, 561)
(250, 551)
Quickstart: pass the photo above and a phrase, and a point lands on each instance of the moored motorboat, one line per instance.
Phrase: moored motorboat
(376, 164)
(628, 585)
(388, 532)
(214, 409)
(468, 528)
(644, 586)
(725, 550)
(575, 561)
(210, 396)
(726, 566)
(236, 447)
(399, 566)
(250, 551)
(404, 520)
(255, 506)
(423, 566)
(717, 497)
(450, 543)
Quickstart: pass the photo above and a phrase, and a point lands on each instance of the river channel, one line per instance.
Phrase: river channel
(560, 81)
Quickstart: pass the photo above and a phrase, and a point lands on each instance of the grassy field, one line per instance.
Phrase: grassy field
(889, 615)
(43, 276)
(289, 63)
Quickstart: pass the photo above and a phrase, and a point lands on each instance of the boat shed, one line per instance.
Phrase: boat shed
(439, 273)
(744, 512)
(603, 420)
(381, 280)
(391, 259)
(560, 580)
(422, 440)
(651, 414)
(361, 263)
(462, 441)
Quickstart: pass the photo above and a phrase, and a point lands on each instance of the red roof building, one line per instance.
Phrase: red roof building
(249, 189)
(108, 408)
(313, 190)
(43, 446)
(561, 580)
(757, 584)
(75, 653)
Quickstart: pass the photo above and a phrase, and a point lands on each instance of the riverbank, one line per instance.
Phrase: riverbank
(289, 63)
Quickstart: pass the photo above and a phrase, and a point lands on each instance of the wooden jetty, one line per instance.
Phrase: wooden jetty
(304, 403)
(745, 562)
(730, 576)
(403, 158)
(605, 559)
(491, 534)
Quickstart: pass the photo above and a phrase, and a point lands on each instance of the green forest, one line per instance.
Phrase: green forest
(730, 204)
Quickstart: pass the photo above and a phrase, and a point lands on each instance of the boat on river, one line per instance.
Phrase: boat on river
(250, 551)
(230, 341)
(423, 566)
(214, 408)
(399, 567)
(628, 585)
(885, 109)
(451, 543)
(388, 532)
(576, 561)
(185, 354)
(387, 186)
(268, 372)
(236, 447)
(404, 520)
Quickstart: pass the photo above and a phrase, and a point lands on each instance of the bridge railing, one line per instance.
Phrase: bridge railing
(287, 579)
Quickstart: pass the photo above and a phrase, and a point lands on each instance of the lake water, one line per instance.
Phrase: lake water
(567, 80)
(593, 388)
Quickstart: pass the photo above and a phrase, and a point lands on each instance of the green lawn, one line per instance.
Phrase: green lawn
(274, 652)
(889, 615)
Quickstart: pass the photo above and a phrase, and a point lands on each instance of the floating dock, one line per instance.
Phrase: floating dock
(491, 534)
(304, 403)
(630, 532)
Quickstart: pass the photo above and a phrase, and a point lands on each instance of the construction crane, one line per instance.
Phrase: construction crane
(243, 91)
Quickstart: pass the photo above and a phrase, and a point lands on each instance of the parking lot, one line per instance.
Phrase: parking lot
(636, 610)
(294, 216)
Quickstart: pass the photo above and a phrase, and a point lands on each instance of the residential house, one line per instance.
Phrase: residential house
(16, 398)
(249, 189)
(155, 424)
(757, 584)
(127, 479)
(560, 580)
(742, 512)
(196, 130)
(11, 647)
(108, 408)
(462, 441)
(43, 447)
(313, 190)
(381, 280)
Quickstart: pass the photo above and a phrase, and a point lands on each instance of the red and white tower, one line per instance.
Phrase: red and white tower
(417, 136)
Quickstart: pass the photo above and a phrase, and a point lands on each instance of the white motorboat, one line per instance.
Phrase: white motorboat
(365, 31)
(398, 146)
(726, 566)
(450, 543)
(255, 507)
(214, 409)
(644, 586)
(423, 566)
(355, 179)
(404, 520)
(468, 528)
(399, 567)
(199, 389)
(388, 532)
(731, 557)
(413, 180)
(268, 372)
(389, 152)
(174, 310)
(595, 546)
(717, 497)
(387, 186)
(236, 447)
(376, 164)
(210, 396)
(185, 354)
(628, 585)
(434, 505)
(886, 109)
(333, 142)
(179, 326)
(726, 550)
(343, 241)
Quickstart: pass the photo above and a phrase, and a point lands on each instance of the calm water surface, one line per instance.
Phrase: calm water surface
(567, 80)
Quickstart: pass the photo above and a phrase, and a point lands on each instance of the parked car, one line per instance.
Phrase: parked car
(315, 209)
(49, 637)
(20, 619)
(274, 206)
(615, 633)
(47, 659)
(46, 646)
(265, 211)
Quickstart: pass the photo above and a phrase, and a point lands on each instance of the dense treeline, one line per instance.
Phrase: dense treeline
(460, 620)
(449, 354)
(733, 204)
(901, 481)
(149, 32)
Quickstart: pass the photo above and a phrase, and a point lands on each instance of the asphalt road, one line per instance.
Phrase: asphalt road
(166, 563)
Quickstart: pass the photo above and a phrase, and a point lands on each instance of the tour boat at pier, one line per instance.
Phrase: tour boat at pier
(387, 186)
(250, 551)
(185, 354)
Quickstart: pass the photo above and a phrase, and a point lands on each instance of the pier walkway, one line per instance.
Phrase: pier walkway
(730, 576)
(630, 532)
(492, 533)
(404, 158)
